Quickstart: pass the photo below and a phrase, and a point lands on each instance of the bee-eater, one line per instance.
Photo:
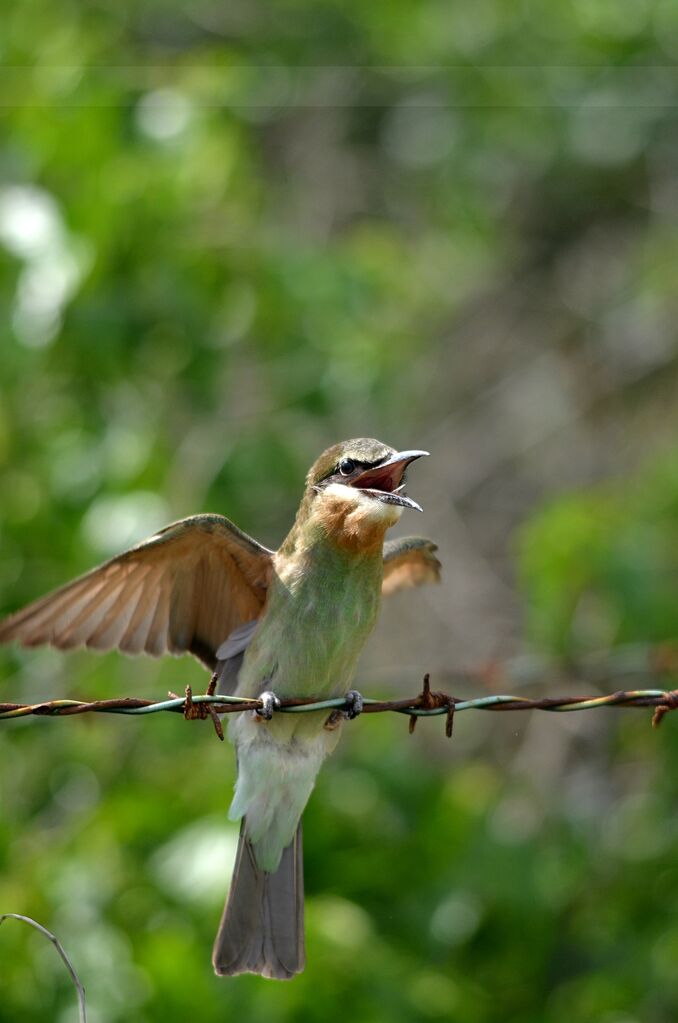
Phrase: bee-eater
(289, 623)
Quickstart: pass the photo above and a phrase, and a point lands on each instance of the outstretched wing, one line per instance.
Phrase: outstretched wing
(410, 561)
(183, 590)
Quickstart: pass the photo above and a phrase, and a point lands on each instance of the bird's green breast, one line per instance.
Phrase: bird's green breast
(323, 603)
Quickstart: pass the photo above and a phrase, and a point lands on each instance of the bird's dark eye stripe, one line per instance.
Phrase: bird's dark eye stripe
(363, 466)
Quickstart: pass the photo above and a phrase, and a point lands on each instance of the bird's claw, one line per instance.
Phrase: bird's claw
(269, 703)
(354, 704)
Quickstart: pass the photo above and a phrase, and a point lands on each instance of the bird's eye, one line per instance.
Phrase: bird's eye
(346, 466)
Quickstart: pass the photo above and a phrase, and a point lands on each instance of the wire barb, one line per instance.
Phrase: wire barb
(194, 711)
(432, 701)
(664, 708)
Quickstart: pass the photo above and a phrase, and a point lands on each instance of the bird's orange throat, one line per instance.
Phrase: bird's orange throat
(353, 521)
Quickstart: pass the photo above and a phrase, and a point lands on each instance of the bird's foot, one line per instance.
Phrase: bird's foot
(269, 703)
(354, 704)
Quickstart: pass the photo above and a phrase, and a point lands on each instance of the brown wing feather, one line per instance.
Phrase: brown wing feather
(136, 633)
(183, 590)
(409, 562)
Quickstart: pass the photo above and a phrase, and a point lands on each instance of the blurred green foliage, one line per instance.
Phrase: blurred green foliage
(601, 568)
(231, 234)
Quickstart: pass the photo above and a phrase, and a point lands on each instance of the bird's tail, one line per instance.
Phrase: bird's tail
(262, 927)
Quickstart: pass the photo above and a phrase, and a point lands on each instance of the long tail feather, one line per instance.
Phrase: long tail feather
(262, 927)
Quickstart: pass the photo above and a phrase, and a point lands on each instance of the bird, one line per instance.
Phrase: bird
(269, 625)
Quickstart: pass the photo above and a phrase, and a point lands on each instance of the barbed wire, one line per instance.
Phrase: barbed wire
(427, 703)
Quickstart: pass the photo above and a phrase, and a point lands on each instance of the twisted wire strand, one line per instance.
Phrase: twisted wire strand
(425, 704)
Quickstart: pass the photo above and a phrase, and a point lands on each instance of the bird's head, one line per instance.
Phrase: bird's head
(356, 490)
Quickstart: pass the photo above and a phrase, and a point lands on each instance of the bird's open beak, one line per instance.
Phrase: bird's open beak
(386, 482)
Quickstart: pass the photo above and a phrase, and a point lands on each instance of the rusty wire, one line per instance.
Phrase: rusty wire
(426, 704)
